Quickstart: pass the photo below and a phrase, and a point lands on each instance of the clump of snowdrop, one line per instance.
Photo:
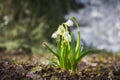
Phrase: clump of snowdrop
(62, 32)
(59, 32)
(69, 53)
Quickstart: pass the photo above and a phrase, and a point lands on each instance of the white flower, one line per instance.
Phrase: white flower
(69, 23)
(61, 28)
(57, 33)
(67, 37)
(54, 35)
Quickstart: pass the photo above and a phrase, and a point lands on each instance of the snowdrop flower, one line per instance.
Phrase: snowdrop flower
(69, 23)
(54, 35)
(61, 28)
(66, 36)
(58, 32)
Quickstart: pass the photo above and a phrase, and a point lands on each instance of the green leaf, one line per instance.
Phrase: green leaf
(59, 45)
(83, 55)
(52, 50)
(72, 50)
(81, 50)
(72, 44)
(78, 41)
(79, 58)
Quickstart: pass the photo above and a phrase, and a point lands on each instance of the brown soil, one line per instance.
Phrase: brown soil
(22, 66)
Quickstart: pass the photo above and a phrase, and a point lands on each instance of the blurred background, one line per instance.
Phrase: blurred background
(100, 24)
(27, 24)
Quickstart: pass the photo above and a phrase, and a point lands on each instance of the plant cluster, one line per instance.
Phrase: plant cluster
(68, 53)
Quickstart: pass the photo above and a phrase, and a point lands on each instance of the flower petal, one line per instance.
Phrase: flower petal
(69, 23)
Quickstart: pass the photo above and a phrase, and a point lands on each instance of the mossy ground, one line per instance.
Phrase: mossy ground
(25, 66)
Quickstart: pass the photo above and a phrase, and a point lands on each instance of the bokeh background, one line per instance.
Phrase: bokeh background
(27, 24)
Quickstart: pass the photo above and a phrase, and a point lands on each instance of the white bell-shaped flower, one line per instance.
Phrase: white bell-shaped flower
(61, 28)
(69, 23)
(58, 32)
(54, 35)
(66, 37)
